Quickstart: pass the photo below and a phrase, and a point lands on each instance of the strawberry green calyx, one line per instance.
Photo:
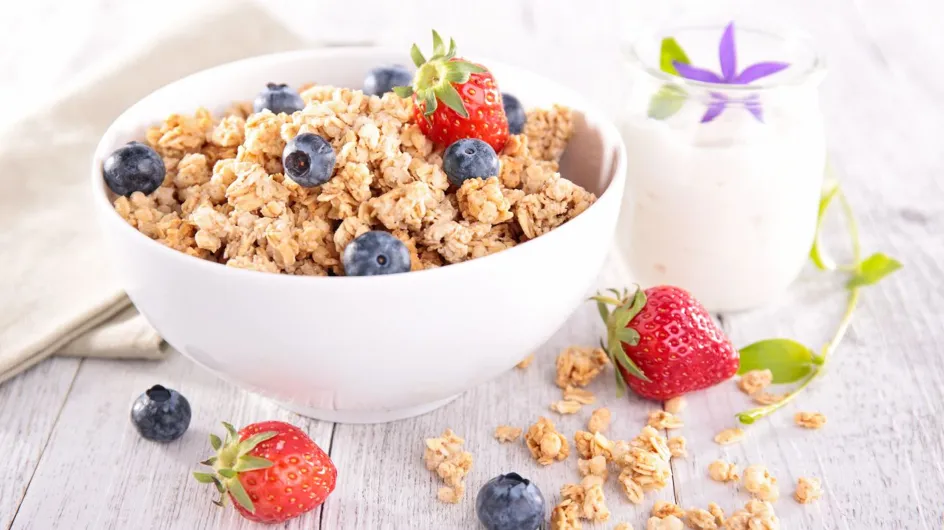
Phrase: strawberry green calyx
(625, 307)
(436, 76)
(232, 458)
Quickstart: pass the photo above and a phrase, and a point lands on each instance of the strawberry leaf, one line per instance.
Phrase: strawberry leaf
(628, 335)
(466, 67)
(403, 91)
(215, 442)
(227, 473)
(872, 269)
(619, 356)
(448, 95)
(249, 463)
(250, 443)
(452, 49)
(231, 431)
(239, 494)
(417, 56)
(603, 310)
(787, 360)
(439, 48)
(620, 384)
(430, 99)
(204, 478)
(209, 461)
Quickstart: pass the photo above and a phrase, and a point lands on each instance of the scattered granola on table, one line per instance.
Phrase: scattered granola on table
(760, 483)
(756, 515)
(546, 444)
(678, 447)
(808, 490)
(580, 395)
(526, 362)
(623, 526)
(226, 196)
(754, 381)
(675, 405)
(717, 512)
(660, 419)
(590, 445)
(699, 519)
(730, 436)
(578, 365)
(588, 497)
(663, 509)
(566, 406)
(446, 457)
(507, 433)
(670, 522)
(566, 516)
(599, 420)
(593, 466)
(810, 420)
(645, 464)
(722, 471)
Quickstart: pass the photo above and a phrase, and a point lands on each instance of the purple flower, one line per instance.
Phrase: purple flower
(727, 56)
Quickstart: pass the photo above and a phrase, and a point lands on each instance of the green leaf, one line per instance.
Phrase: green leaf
(452, 49)
(670, 51)
(466, 67)
(209, 461)
(430, 99)
(872, 269)
(439, 48)
(620, 384)
(250, 443)
(666, 102)
(448, 95)
(403, 91)
(227, 473)
(204, 478)
(788, 360)
(829, 192)
(456, 76)
(215, 442)
(239, 493)
(231, 431)
(616, 353)
(417, 56)
(249, 463)
(603, 310)
(628, 335)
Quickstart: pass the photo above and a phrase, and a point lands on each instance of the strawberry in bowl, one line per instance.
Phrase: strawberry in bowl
(454, 98)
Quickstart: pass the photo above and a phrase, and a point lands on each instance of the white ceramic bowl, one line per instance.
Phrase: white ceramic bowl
(364, 349)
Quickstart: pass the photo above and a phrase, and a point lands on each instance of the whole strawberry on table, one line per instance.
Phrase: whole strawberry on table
(664, 343)
(271, 471)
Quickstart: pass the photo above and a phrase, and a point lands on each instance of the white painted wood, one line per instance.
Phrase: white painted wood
(29, 406)
(98, 473)
(879, 455)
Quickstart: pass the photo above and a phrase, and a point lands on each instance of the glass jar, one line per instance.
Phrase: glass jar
(724, 206)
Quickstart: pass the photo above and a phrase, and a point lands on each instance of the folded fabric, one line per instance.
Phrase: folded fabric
(57, 289)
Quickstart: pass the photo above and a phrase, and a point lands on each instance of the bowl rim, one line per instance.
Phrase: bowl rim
(574, 100)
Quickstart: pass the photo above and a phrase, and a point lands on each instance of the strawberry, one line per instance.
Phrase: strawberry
(272, 471)
(471, 102)
(664, 342)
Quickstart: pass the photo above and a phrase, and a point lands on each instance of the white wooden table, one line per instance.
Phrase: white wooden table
(71, 459)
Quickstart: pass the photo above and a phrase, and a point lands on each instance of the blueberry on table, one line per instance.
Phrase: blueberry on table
(514, 112)
(161, 414)
(375, 253)
(382, 79)
(308, 160)
(510, 502)
(469, 158)
(134, 167)
(278, 98)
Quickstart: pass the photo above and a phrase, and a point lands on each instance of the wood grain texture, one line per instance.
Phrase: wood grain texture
(879, 456)
(29, 407)
(98, 473)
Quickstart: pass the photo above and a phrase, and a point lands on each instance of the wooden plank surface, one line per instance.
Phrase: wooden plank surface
(73, 460)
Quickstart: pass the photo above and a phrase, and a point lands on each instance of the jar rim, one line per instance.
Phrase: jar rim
(813, 73)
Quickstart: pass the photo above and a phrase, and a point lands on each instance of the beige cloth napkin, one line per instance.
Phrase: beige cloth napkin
(57, 291)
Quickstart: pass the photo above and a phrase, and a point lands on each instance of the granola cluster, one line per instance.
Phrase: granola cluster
(546, 444)
(756, 515)
(761, 484)
(225, 199)
(578, 365)
(451, 462)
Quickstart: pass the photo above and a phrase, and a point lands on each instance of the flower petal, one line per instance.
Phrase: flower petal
(727, 54)
(756, 71)
(714, 109)
(696, 74)
(752, 104)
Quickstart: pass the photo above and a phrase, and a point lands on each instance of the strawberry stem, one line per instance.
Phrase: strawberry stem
(617, 330)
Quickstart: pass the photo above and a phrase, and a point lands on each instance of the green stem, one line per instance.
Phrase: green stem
(752, 415)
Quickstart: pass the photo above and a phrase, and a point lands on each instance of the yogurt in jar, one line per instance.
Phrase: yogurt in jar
(725, 209)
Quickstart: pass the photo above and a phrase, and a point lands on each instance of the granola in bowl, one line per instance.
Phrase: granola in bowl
(226, 197)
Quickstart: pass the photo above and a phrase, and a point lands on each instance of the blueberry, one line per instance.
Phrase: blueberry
(469, 158)
(510, 502)
(382, 79)
(161, 414)
(309, 160)
(514, 112)
(278, 98)
(134, 167)
(374, 253)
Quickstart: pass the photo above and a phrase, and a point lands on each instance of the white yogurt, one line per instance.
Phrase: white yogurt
(725, 209)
